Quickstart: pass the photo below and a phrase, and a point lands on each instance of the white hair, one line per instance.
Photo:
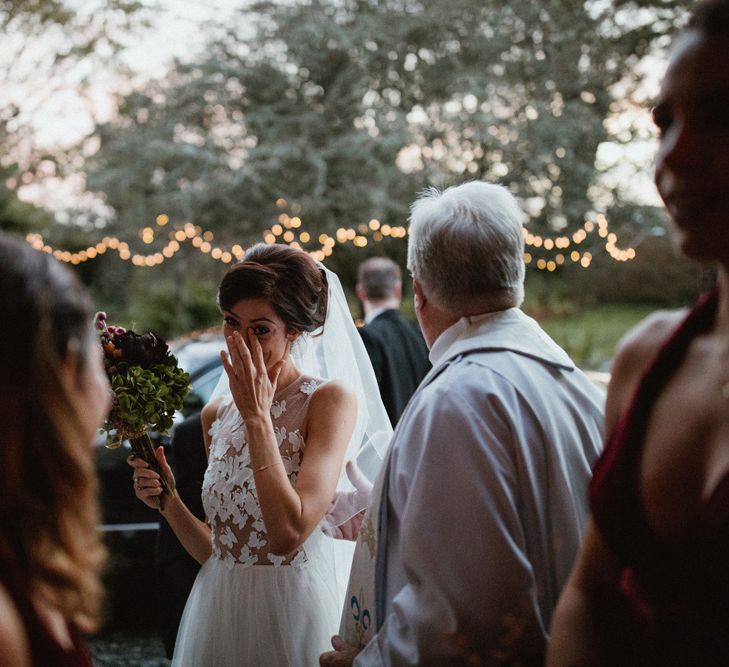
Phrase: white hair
(466, 246)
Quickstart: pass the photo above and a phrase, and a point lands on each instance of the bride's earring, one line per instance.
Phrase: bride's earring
(292, 338)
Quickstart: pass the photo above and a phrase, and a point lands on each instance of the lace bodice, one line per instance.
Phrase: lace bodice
(229, 489)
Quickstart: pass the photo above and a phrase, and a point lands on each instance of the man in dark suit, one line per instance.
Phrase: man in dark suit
(395, 345)
(176, 569)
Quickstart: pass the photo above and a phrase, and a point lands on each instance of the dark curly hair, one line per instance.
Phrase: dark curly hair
(287, 278)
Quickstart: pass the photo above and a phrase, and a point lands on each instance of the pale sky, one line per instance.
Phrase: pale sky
(179, 29)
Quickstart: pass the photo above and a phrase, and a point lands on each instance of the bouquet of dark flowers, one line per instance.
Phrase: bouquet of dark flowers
(148, 387)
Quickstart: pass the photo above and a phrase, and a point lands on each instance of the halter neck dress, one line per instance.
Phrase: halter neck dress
(249, 606)
(676, 592)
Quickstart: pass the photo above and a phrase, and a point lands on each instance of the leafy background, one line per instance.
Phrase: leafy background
(346, 110)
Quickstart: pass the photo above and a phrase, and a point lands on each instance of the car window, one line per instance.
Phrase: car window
(193, 355)
(205, 384)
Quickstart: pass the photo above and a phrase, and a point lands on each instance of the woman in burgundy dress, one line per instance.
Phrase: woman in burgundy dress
(651, 585)
(54, 397)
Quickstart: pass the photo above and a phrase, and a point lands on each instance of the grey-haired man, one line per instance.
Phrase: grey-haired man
(481, 505)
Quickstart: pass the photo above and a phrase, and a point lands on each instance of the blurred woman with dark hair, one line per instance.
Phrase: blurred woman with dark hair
(54, 397)
(651, 584)
(268, 591)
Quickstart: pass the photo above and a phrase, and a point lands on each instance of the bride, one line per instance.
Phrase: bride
(300, 401)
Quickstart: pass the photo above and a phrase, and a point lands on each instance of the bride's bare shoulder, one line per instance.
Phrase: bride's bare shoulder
(208, 415)
(210, 411)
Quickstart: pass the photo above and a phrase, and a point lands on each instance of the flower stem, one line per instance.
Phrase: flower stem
(143, 448)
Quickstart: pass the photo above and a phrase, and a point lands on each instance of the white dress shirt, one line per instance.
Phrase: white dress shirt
(485, 500)
(375, 312)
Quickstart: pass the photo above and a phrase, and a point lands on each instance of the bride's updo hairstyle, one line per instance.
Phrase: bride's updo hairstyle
(287, 278)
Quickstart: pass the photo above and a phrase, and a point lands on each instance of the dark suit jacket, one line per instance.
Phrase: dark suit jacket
(176, 569)
(399, 356)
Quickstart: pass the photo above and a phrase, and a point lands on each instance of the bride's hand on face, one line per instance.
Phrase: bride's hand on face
(251, 383)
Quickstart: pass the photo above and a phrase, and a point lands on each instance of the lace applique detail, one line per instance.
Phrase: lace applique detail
(309, 387)
(278, 408)
(214, 429)
(229, 489)
(276, 560)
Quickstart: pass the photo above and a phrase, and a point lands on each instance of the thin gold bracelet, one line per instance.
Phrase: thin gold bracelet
(268, 465)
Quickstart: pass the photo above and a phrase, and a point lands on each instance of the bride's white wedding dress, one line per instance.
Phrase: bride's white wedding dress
(248, 606)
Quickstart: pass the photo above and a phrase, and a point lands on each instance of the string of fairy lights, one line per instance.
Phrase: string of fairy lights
(289, 229)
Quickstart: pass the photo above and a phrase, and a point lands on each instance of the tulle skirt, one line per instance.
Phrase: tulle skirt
(259, 615)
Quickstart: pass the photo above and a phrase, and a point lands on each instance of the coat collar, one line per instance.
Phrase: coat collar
(509, 330)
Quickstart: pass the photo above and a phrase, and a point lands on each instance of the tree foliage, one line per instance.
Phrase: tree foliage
(43, 43)
(220, 141)
(347, 109)
(48, 45)
(16, 216)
